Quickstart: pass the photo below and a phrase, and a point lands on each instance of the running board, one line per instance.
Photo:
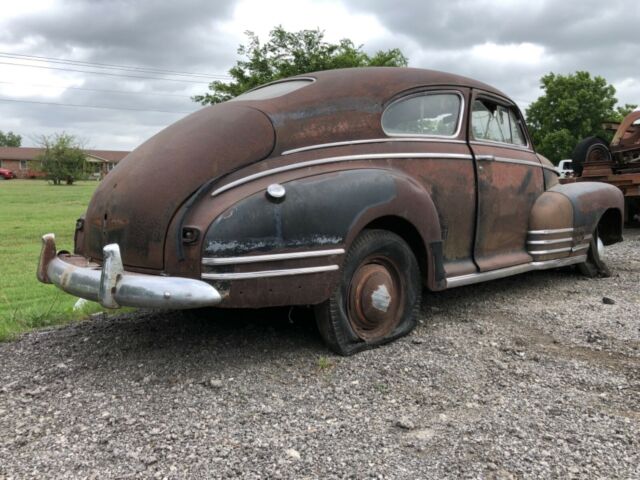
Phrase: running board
(472, 278)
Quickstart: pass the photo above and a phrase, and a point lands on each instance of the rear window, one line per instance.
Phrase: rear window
(430, 114)
(274, 90)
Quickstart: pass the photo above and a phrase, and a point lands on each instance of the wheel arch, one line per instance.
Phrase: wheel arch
(410, 234)
(584, 206)
(610, 226)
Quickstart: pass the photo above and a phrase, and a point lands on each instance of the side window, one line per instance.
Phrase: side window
(436, 114)
(517, 134)
(496, 123)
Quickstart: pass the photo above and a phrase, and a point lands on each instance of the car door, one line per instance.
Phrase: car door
(510, 179)
(432, 124)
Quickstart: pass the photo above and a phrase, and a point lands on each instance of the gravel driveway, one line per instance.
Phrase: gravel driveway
(532, 376)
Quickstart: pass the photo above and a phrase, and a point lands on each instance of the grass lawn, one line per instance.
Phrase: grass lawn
(29, 209)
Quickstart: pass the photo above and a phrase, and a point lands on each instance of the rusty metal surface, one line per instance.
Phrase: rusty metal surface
(627, 137)
(551, 211)
(375, 299)
(357, 98)
(590, 201)
(619, 165)
(135, 203)
(506, 194)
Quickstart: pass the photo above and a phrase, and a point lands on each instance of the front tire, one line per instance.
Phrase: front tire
(595, 266)
(378, 297)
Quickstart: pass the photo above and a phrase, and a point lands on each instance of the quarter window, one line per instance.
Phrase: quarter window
(496, 123)
(434, 114)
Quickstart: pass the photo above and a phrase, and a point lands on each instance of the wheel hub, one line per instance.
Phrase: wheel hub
(375, 300)
(600, 248)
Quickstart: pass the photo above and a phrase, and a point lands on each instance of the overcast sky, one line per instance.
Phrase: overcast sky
(507, 43)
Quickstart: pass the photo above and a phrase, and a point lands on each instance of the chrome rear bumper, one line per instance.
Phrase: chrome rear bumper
(113, 287)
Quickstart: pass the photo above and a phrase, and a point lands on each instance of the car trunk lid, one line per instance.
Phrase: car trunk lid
(135, 203)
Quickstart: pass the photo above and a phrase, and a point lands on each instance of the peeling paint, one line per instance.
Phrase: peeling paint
(238, 247)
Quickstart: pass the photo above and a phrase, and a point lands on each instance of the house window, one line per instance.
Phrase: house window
(23, 165)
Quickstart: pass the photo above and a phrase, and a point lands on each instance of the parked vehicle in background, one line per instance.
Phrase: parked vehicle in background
(347, 190)
(6, 174)
(565, 168)
(617, 163)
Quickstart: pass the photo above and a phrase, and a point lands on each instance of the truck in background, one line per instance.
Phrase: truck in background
(617, 163)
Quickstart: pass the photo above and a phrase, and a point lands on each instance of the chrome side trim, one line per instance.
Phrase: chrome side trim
(516, 161)
(371, 140)
(549, 242)
(550, 232)
(582, 246)
(271, 258)
(268, 273)
(547, 252)
(343, 158)
(472, 278)
(511, 146)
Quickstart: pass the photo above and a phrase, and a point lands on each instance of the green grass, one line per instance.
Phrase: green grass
(325, 364)
(29, 209)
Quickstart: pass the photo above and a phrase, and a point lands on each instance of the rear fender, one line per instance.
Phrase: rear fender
(321, 212)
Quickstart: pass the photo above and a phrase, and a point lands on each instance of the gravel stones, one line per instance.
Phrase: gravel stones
(526, 377)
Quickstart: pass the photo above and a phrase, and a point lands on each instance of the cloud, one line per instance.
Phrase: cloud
(181, 36)
(175, 35)
(512, 43)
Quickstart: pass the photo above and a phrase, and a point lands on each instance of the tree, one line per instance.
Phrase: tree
(63, 158)
(623, 111)
(10, 139)
(292, 53)
(572, 107)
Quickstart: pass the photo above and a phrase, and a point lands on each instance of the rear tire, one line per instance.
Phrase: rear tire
(378, 297)
(590, 149)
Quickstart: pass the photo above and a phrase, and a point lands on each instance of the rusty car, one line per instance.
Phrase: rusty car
(346, 190)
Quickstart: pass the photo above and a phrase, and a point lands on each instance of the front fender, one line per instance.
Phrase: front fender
(581, 206)
(324, 212)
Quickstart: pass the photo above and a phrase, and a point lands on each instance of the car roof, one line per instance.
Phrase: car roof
(346, 104)
(381, 82)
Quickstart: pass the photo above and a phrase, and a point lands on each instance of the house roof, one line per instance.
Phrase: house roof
(30, 153)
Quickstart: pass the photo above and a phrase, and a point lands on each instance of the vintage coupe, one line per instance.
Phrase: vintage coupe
(348, 190)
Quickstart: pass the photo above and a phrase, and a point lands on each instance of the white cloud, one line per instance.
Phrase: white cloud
(333, 17)
(510, 54)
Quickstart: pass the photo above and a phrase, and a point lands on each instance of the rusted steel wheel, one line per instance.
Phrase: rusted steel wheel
(378, 296)
(589, 150)
(595, 266)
